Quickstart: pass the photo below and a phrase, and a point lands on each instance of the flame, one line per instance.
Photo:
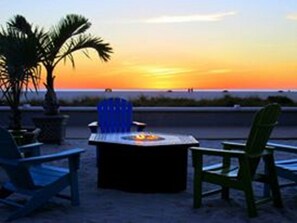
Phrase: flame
(143, 136)
(140, 137)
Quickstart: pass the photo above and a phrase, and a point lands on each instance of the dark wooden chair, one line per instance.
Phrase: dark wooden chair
(241, 174)
(115, 115)
(31, 177)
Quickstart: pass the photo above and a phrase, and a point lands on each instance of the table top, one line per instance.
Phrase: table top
(123, 138)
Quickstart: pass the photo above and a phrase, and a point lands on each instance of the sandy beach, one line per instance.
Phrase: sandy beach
(106, 205)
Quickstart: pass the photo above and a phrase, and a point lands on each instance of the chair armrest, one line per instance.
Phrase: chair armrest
(32, 149)
(93, 126)
(139, 125)
(283, 147)
(233, 145)
(50, 157)
(218, 152)
(30, 146)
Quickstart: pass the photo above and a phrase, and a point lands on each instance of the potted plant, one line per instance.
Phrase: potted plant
(56, 45)
(19, 72)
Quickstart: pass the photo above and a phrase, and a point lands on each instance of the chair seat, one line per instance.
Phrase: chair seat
(44, 175)
(286, 169)
(218, 169)
(287, 164)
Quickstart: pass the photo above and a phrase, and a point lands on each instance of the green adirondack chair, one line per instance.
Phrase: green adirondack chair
(241, 175)
(31, 177)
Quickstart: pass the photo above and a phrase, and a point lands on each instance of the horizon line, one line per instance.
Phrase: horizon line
(169, 89)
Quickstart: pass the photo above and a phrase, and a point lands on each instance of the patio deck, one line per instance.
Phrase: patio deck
(114, 206)
(106, 205)
(200, 132)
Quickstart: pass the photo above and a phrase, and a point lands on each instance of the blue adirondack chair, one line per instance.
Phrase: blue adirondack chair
(286, 168)
(31, 177)
(115, 115)
(241, 174)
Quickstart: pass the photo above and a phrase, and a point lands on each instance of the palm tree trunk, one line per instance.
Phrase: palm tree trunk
(51, 105)
(15, 118)
(14, 98)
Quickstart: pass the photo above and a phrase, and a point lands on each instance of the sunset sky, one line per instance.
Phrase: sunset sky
(170, 44)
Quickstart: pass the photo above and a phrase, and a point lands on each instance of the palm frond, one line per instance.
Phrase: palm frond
(19, 61)
(68, 27)
(20, 55)
(84, 42)
(19, 23)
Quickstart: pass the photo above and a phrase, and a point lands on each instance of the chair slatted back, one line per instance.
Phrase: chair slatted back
(114, 115)
(263, 124)
(18, 175)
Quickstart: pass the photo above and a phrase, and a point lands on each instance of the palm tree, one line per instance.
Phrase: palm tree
(19, 69)
(58, 44)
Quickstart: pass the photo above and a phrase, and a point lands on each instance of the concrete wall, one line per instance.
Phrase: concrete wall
(163, 116)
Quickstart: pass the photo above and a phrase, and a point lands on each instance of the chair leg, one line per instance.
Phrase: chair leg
(274, 185)
(197, 189)
(250, 200)
(74, 189)
(197, 160)
(266, 189)
(276, 195)
(246, 183)
(225, 193)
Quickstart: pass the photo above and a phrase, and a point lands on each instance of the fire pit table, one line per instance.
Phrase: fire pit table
(142, 162)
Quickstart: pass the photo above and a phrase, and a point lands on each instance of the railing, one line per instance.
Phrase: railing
(162, 116)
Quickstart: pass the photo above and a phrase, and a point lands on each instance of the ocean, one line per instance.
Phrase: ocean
(70, 94)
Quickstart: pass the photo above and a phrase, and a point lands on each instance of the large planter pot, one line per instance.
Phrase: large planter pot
(25, 136)
(53, 128)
